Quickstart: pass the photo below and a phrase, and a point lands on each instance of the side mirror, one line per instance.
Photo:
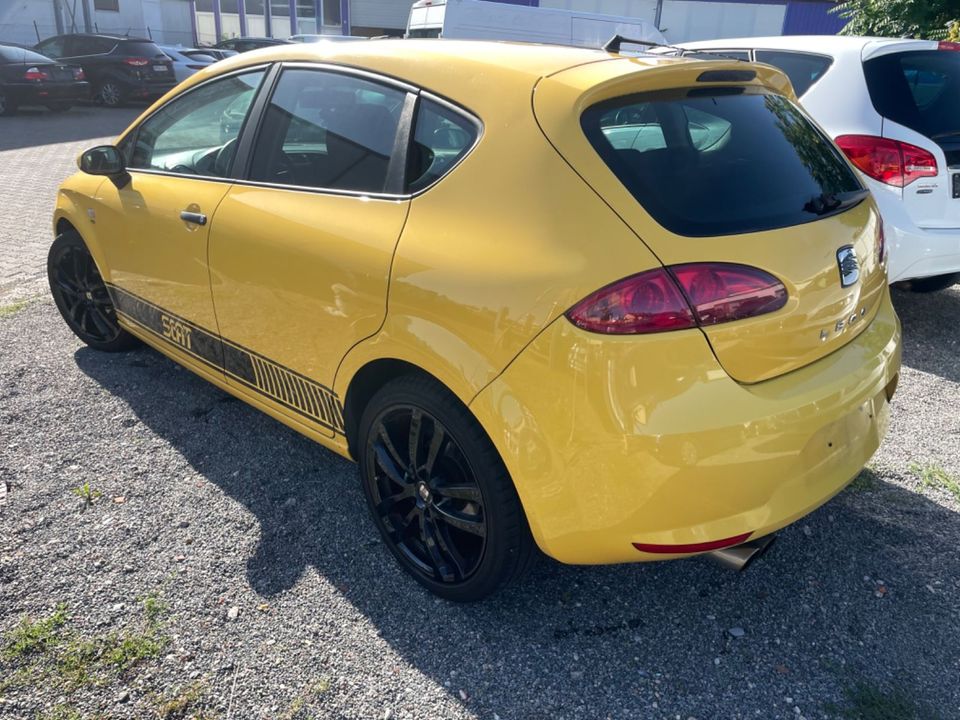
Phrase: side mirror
(101, 160)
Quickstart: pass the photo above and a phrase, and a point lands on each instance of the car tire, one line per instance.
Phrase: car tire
(932, 284)
(110, 94)
(81, 296)
(7, 106)
(59, 107)
(451, 517)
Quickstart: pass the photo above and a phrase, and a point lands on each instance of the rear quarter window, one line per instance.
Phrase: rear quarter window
(708, 161)
(803, 69)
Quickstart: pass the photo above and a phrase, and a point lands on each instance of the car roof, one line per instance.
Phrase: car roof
(835, 45)
(107, 36)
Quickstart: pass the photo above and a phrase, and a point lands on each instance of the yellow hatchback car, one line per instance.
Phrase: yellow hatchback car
(620, 308)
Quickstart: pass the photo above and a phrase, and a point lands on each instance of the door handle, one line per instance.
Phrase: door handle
(193, 217)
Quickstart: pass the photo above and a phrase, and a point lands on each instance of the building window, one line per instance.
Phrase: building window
(280, 8)
(306, 9)
(331, 12)
(254, 7)
(107, 5)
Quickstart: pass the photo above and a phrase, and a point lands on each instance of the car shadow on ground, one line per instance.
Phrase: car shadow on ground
(31, 127)
(931, 340)
(862, 591)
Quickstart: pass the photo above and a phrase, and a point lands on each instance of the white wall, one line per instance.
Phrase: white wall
(683, 20)
(17, 17)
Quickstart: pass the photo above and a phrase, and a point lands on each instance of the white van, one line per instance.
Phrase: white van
(480, 20)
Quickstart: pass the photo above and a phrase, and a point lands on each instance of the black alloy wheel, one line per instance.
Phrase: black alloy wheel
(439, 493)
(81, 296)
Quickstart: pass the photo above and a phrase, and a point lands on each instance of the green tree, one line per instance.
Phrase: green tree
(929, 19)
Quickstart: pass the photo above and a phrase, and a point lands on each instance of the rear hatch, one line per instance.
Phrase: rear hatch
(917, 91)
(147, 60)
(710, 162)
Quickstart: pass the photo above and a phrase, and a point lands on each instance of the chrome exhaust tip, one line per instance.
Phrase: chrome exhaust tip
(740, 556)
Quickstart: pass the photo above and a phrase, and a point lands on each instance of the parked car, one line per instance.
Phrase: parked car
(187, 61)
(638, 314)
(119, 68)
(28, 78)
(325, 38)
(245, 44)
(218, 53)
(898, 121)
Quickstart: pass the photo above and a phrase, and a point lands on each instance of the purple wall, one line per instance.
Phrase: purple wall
(812, 18)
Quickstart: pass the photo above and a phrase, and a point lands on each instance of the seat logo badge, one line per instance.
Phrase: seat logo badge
(849, 268)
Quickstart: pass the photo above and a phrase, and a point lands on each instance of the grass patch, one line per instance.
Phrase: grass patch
(35, 636)
(13, 308)
(87, 494)
(864, 701)
(312, 690)
(47, 652)
(933, 476)
(177, 706)
(63, 711)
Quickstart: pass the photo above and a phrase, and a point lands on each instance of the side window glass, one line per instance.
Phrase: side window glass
(328, 130)
(803, 69)
(440, 138)
(196, 134)
(733, 54)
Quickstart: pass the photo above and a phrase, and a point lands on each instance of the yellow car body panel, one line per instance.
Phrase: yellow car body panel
(613, 441)
(610, 440)
(309, 283)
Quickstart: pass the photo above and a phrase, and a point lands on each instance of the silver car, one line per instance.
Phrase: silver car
(187, 61)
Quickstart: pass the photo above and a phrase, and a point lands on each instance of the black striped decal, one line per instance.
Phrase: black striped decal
(280, 384)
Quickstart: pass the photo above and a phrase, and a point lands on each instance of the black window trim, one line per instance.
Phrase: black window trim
(830, 58)
(239, 173)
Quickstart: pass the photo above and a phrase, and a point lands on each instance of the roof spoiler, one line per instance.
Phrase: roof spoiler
(613, 46)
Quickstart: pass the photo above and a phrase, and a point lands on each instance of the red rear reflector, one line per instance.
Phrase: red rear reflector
(646, 303)
(889, 161)
(947, 45)
(35, 73)
(679, 297)
(136, 61)
(692, 547)
(721, 292)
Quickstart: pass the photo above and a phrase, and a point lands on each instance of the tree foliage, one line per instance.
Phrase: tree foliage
(929, 19)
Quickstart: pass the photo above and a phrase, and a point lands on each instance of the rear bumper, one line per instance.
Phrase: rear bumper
(646, 440)
(48, 92)
(914, 252)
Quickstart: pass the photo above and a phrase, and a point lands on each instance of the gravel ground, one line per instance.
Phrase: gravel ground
(274, 597)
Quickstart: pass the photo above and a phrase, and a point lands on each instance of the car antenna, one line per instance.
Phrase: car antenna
(613, 46)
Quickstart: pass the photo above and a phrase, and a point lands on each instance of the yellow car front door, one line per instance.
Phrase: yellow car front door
(300, 253)
(155, 224)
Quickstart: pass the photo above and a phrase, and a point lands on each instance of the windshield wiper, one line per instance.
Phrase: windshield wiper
(825, 203)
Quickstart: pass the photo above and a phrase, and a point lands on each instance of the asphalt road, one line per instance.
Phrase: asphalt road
(277, 599)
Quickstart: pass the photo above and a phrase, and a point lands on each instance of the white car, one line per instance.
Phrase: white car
(187, 61)
(893, 106)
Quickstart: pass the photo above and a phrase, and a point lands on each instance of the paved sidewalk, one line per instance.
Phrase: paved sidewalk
(38, 151)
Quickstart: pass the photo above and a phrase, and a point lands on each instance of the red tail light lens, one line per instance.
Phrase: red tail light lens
(889, 161)
(136, 61)
(653, 301)
(721, 292)
(947, 45)
(79, 74)
(35, 73)
(646, 303)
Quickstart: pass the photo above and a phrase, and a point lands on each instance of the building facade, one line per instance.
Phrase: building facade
(191, 22)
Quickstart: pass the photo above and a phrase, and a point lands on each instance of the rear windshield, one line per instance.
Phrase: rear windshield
(20, 55)
(139, 48)
(720, 161)
(920, 90)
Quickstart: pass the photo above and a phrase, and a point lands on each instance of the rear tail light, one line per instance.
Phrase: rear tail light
(79, 74)
(679, 297)
(889, 161)
(35, 73)
(947, 45)
(136, 61)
